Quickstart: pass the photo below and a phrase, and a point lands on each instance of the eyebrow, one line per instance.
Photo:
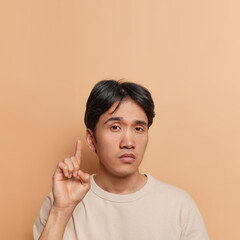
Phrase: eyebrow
(113, 119)
(141, 122)
(120, 119)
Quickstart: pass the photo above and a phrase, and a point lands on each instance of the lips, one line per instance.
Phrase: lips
(127, 157)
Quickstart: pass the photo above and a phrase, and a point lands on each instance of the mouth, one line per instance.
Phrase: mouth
(127, 157)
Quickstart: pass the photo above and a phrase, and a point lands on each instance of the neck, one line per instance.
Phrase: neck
(120, 184)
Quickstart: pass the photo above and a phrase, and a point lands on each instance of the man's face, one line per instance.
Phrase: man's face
(121, 138)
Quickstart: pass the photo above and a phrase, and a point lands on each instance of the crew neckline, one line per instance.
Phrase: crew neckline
(120, 197)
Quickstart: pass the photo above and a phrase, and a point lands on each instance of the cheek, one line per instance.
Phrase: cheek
(106, 145)
(143, 143)
(109, 140)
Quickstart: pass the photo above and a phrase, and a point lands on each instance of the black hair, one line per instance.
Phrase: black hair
(105, 93)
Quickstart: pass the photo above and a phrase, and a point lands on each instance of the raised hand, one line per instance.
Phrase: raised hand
(70, 184)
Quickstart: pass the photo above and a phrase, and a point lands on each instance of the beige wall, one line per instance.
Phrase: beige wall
(186, 52)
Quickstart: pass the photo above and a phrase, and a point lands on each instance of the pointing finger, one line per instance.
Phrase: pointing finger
(78, 152)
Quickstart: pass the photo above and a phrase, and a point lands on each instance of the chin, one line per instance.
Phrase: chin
(121, 171)
(125, 173)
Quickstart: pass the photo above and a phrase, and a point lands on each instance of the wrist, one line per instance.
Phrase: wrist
(56, 223)
(62, 212)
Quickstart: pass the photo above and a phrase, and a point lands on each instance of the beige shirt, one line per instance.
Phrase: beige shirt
(158, 211)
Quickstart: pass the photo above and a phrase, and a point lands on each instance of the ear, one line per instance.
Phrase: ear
(90, 139)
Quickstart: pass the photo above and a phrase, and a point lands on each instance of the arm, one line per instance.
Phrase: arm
(194, 228)
(70, 185)
(56, 223)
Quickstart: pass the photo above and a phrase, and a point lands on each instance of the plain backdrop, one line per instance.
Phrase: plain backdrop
(185, 52)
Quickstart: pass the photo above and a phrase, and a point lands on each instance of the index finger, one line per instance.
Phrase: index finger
(78, 151)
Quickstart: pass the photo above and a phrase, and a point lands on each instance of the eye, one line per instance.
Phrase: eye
(115, 128)
(139, 129)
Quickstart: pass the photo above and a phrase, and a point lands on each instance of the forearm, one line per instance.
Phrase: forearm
(56, 223)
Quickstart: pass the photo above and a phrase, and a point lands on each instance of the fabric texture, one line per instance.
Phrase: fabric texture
(158, 211)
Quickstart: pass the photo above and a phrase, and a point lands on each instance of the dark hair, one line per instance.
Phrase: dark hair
(105, 93)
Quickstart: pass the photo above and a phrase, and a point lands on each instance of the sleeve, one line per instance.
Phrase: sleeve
(41, 220)
(39, 224)
(194, 227)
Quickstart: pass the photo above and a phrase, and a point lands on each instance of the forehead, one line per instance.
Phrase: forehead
(127, 110)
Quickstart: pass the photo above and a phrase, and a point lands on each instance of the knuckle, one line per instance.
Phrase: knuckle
(62, 165)
(68, 164)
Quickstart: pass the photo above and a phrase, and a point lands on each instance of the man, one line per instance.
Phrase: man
(118, 202)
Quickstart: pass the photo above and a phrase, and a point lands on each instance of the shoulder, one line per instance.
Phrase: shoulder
(175, 201)
(167, 192)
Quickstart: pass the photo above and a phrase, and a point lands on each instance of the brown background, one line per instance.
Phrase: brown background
(185, 52)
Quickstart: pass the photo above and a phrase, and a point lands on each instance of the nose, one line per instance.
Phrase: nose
(127, 140)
